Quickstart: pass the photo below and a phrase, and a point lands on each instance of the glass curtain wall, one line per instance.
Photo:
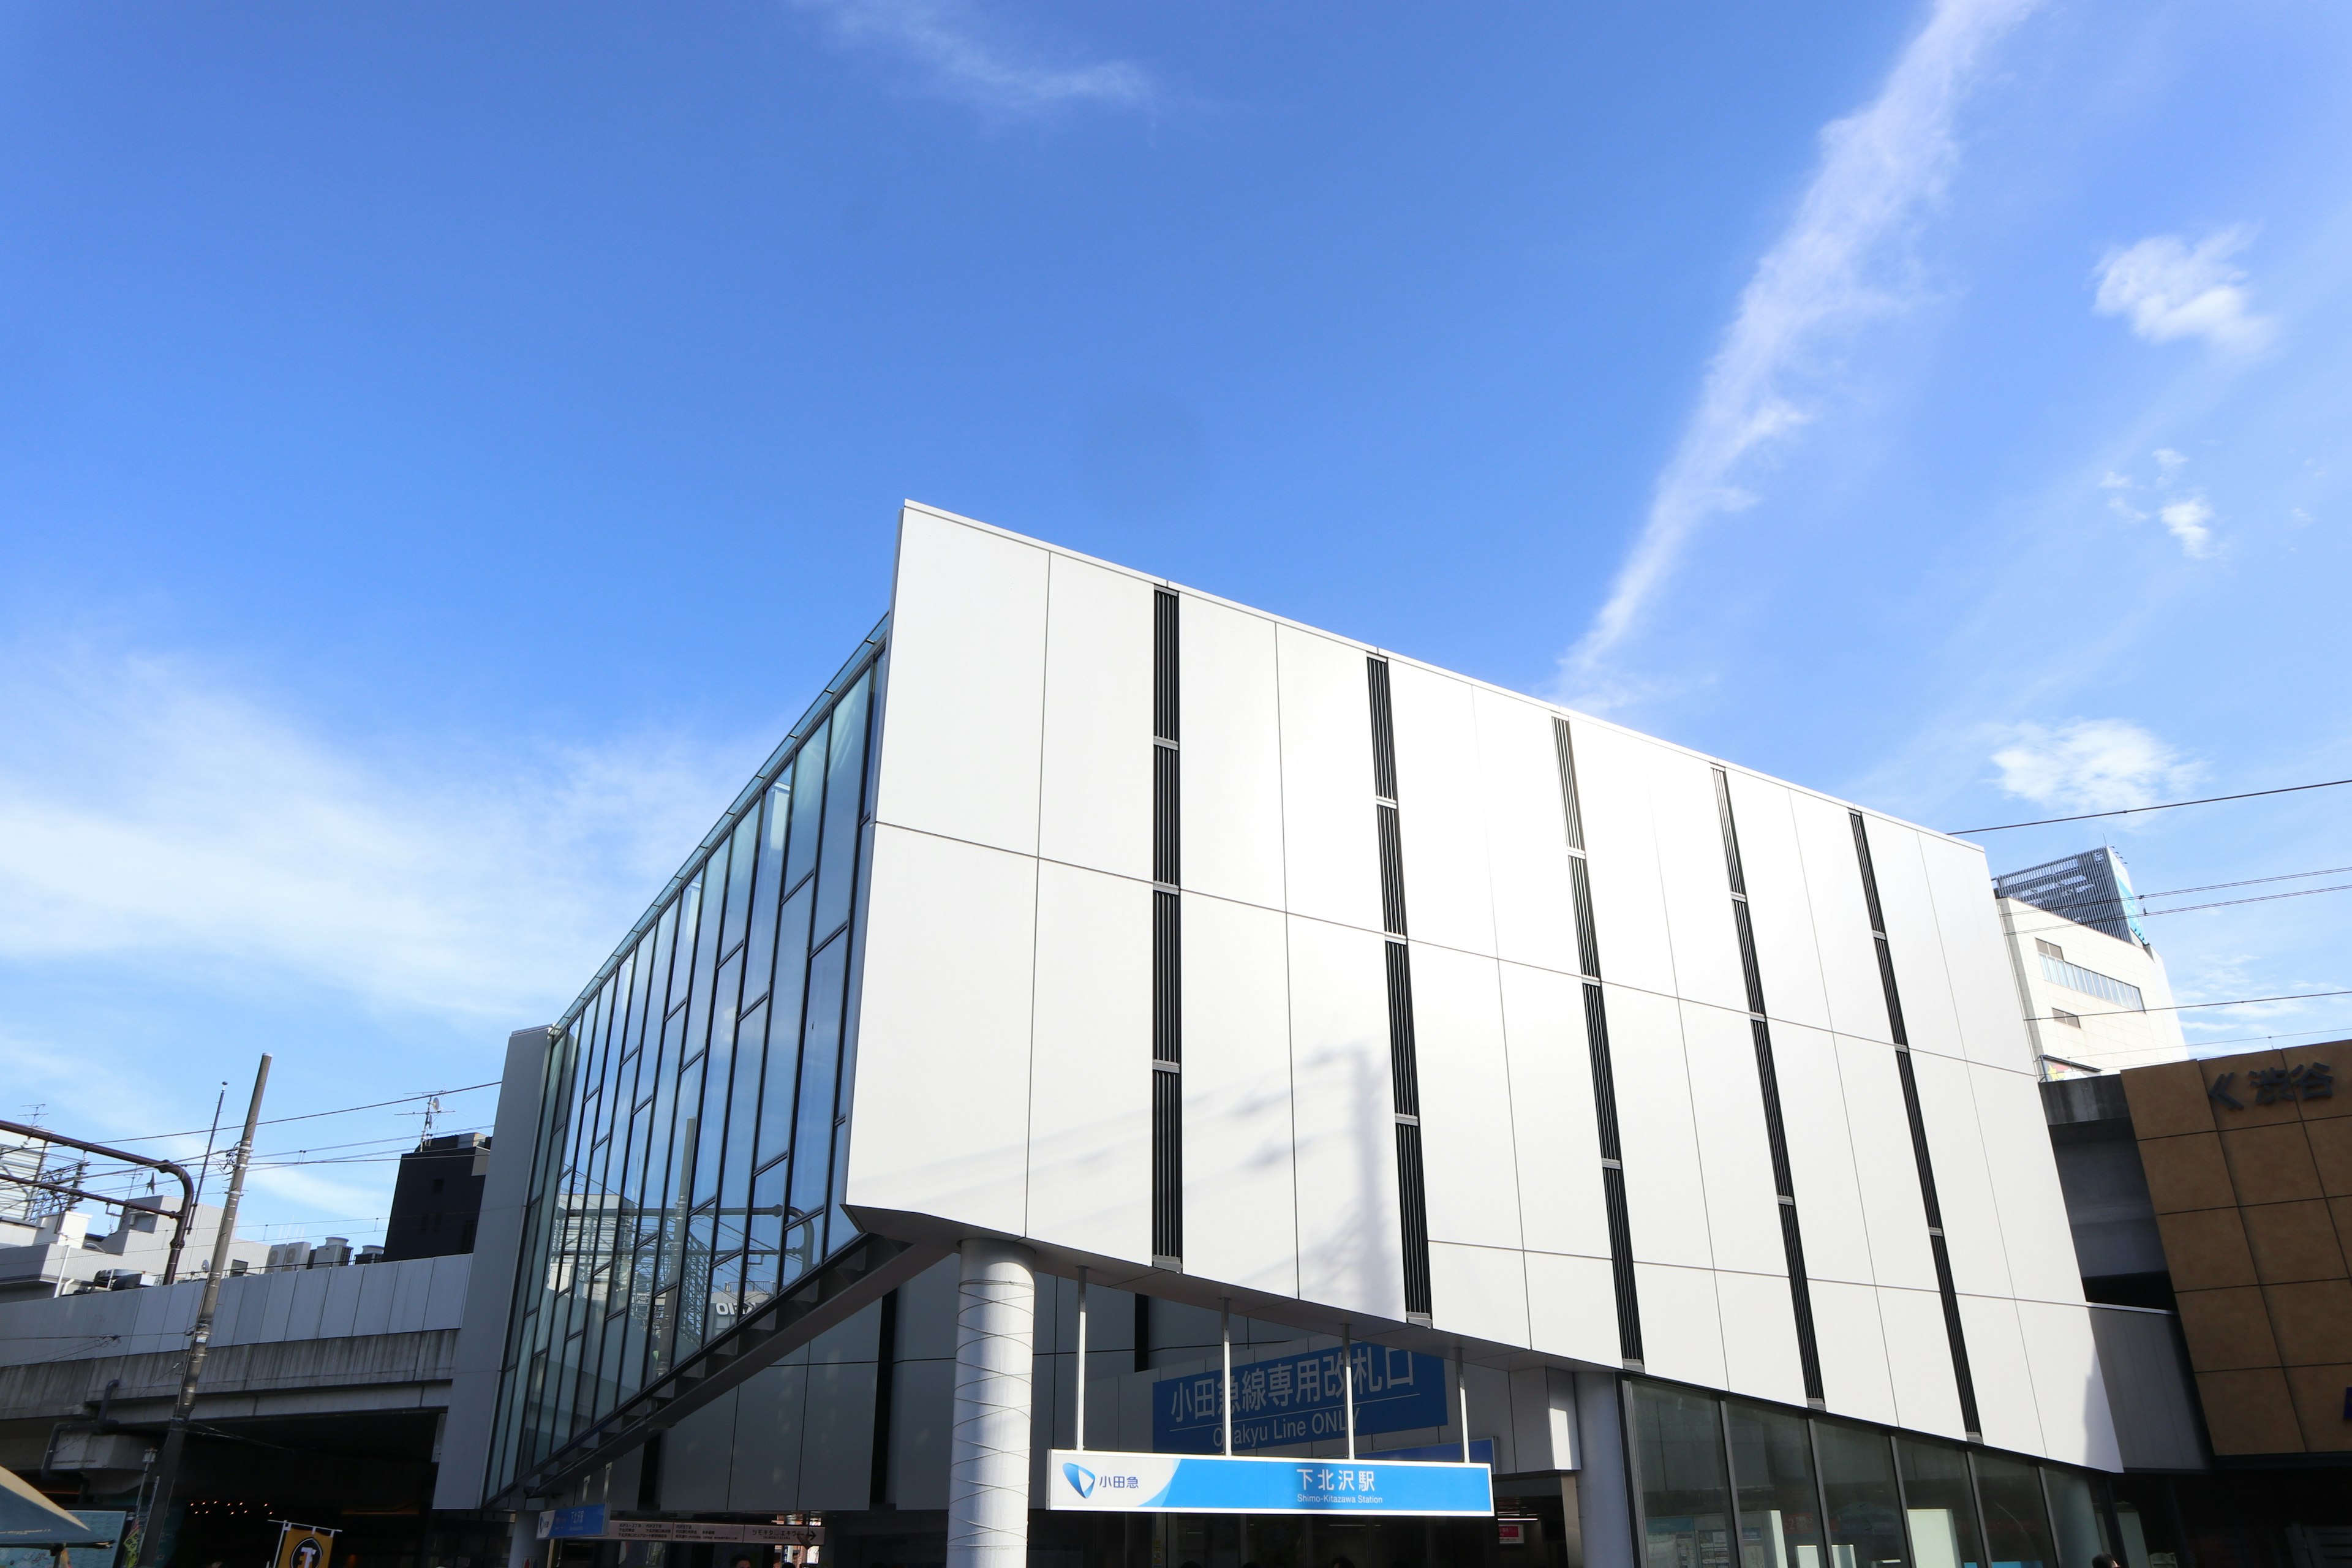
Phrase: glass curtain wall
(687, 1167)
(1809, 1492)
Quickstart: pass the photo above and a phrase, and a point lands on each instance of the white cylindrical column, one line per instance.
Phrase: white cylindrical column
(988, 1452)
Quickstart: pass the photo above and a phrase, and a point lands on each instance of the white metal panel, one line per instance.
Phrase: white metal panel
(1441, 814)
(1927, 1396)
(1612, 784)
(1821, 1156)
(1479, 1291)
(1095, 779)
(2035, 1235)
(1880, 1127)
(1928, 1017)
(1855, 1378)
(2069, 1386)
(1241, 1197)
(960, 742)
(1697, 879)
(1976, 955)
(1759, 1336)
(309, 1304)
(1526, 834)
(1349, 1250)
(1330, 840)
(1468, 1159)
(1561, 1205)
(1857, 1002)
(1665, 1197)
(1682, 1325)
(1779, 906)
(1743, 1210)
(373, 1315)
(1572, 1308)
(408, 1300)
(1964, 1189)
(338, 1315)
(943, 1037)
(1090, 1065)
(2010, 1415)
(1229, 716)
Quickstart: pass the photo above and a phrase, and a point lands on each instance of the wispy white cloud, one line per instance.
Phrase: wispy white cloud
(1841, 262)
(2169, 289)
(149, 810)
(2091, 764)
(963, 56)
(2185, 520)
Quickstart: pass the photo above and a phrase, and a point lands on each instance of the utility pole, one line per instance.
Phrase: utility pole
(175, 1436)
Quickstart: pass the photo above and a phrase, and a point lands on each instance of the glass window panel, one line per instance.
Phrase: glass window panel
(658, 1320)
(726, 1291)
(1679, 1438)
(782, 1068)
(808, 807)
(841, 1231)
(2075, 1514)
(712, 1132)
(1858, 1484)
(1941, 1506)
(707, 925)
(690, 905)
(1779, 1511)
(694, 1285)
(843, 783)
(819, 1056)
(684, 1138)
(742, 856)
(767, 894)
(800, 1255)
(2017, 1529)
(763, 1272)
(742, 1128)
(726, 1001)
(657, 972)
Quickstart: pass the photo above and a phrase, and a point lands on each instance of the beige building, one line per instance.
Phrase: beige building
(2095, 994)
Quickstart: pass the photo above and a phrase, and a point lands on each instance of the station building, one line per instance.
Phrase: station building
(1094, 938)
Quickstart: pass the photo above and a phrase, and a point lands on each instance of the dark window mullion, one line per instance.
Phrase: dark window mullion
(1405, 1080)
(1167, 944)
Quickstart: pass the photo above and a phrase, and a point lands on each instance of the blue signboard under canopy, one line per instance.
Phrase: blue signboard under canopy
(1092, 1481)
(1298, 1399)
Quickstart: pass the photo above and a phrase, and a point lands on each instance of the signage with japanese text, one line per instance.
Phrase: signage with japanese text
(1089, 1480)
(2271, 1086)
(1298, 1399)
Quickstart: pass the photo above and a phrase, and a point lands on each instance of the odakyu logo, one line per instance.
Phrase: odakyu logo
(1081, 1479)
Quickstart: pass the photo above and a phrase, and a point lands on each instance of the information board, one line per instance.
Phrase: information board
(1290, 1400)
(1090, 1480)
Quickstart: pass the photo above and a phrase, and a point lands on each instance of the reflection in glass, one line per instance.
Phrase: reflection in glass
(1865, 1510)
(837, 866)
(742, 856)
(808, 807)
(1942, 1513)
(2017, 1529)
(2082, 1533)
(1772, 1462)
(760, 945)
(1684, 1502)
(820, 1056)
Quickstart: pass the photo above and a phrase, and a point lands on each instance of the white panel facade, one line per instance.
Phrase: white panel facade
(1468, 1153)
(1229, 712)
(1526, 834)
(1612, 784)
(1779, 906)
(1241, 1194)
(1849, 959)
(1665, 1191)
(1089, 1133)
(1330, 844)
(1440, 809)
(1562, 1206)
(960, 747)
(1004, 1073)
(1095, 787)
(943, 1035)
(1345, 1117)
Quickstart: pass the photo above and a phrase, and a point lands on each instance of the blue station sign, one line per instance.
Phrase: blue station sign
(1091, 1480)
(1297, 1399)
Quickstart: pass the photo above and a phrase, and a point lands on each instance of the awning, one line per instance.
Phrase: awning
(28, 1519)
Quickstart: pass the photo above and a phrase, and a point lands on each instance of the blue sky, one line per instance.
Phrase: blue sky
(441, 448)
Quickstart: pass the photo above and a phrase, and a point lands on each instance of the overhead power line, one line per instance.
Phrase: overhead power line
(2193, 1006)
(2216, 904)
(314, 1115)
(2248, 882)
(2161, 806)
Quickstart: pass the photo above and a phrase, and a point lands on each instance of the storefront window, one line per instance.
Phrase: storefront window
(1685, 1500)
(1941, 1512)
(1865, 1510)
(2016, 1526)
(2075, 1514)
(1780, 1511)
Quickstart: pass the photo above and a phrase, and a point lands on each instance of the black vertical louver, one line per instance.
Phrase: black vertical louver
(1961, 1377)
(1404, 1079)
(1768, 1082)
(1167, 949)
(1596, 1040)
